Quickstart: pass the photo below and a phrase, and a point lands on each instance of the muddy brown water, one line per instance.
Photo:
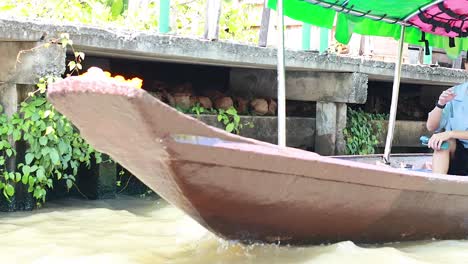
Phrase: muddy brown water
(136, 230)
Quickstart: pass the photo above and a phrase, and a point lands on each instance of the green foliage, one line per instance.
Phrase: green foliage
(87, 12)
(362, 132)
(197, 109)
(117, 8)
(55, 150)
(237, 21)
(187, 16)
(6, 151)
(231, 120)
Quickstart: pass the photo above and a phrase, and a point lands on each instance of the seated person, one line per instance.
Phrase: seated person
(451, 115)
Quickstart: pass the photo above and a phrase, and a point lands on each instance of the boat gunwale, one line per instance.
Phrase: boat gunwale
(429, 178)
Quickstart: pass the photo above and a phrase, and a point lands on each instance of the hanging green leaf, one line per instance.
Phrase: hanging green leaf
(69, 183)
(10, 190)
(43, 141)
(54, 156)
(29, 158)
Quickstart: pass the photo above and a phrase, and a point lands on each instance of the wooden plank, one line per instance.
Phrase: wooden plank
(213, 12)
(263, 37)
(428, 58)
(457, 63)
(306, 36)
(324, 39)
(164, 14)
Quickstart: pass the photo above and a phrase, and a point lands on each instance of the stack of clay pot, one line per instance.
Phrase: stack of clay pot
(183, 97)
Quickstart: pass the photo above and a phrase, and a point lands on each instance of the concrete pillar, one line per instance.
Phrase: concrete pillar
(98, 182)
(331, 90)
(325, 136)
(25, 62)
(330, 122)
(341, 117)
(11, 96)
(9, 102)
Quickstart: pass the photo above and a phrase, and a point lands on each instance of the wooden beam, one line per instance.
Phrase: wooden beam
(213, 12)
(428, 58)
(263, 37)
(324, 39)
(164, 14)
(457, 63)
(306, 36)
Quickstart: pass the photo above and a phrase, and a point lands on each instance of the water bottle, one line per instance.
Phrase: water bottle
(424, 140)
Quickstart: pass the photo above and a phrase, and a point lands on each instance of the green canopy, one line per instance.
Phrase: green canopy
(347, 24)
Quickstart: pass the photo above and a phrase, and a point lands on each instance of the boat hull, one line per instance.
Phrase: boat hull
(247, 190)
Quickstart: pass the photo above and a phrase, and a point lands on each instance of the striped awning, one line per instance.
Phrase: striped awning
(438, 23)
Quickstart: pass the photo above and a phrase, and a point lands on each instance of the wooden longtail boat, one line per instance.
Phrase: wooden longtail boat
(248, 190)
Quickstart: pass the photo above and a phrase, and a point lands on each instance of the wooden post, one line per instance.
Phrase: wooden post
(428, 58)
(164, 18)
(457, 63)
(306, 36)
(213, 12)
(265, 24)
(323, 39)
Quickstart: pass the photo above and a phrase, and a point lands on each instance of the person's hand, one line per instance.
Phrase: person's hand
(446, 96)
(435, 142)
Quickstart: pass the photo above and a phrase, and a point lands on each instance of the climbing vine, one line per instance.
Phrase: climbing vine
(6, 151)
(54, 149)
(363, 131)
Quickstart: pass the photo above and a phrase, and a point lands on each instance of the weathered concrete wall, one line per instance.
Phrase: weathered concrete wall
(22, 65)
(300, 131)
(407, 133)
(99, 181)
(25, 62)
(147, 46)
(341, 119)
(302, 86)
(9, 98)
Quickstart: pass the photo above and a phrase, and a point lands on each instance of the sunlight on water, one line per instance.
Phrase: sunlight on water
(131, 230)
